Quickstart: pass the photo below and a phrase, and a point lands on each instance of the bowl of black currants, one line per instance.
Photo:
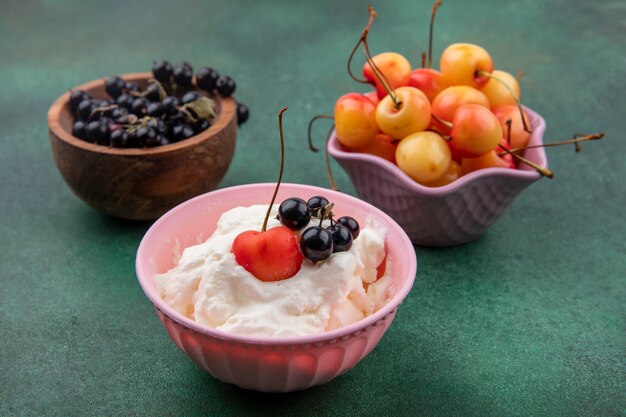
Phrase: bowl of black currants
(135, 145)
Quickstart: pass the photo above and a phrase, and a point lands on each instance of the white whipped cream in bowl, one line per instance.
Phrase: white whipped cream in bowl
(272, 336)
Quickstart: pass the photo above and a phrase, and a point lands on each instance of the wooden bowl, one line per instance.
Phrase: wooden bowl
(141, 184)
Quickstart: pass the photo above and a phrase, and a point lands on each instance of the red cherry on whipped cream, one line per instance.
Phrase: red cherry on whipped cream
(272, 255)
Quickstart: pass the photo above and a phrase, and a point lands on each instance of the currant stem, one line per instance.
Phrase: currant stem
(578, 138)
(543, 171)
(506, 86)
(282, 166)
(430, 34)
(363, 36)
(310, 127)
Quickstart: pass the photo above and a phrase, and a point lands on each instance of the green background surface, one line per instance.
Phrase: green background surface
(528, 320)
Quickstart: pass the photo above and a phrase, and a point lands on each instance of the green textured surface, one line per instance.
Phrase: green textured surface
(528, 320)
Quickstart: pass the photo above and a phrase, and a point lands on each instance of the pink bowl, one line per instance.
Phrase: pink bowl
(265, 363)
(441, 216)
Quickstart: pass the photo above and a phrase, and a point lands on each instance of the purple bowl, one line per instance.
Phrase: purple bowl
(451, 215)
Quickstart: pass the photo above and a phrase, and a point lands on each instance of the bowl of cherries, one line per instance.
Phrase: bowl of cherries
(136, 145)
(443, 152)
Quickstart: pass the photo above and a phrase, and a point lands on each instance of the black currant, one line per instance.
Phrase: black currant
(79, 130)
(152, 92)
(316, 243)
(125, 100)
(351, 224)
(206, 78)
(294, 213)
(342, 238)
(202, 125)
(162, 140)
(76, 97)
(162, 71)
(139, 106)
(170, 105)
(83, 112)
(183, 74)
(155, 109)
(146, 137)
(131, 86)
(181, 131)
(157, 124)
(114, 86)
(118, 112)
(119, 138)
(190, 96)
(316, 204)
(225, 86)
(243, 113)
(97, 132)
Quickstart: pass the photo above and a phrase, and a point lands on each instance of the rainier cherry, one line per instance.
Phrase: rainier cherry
(274, 254)
(475, 131)
(423, 156)
(449, 100)
(519, 136)
(412, 115)
(461, 64)
(382, 146)
(496, 91)
(488, 160)
(355, 120)
(427, 80)
(393, 66)
(452, 173)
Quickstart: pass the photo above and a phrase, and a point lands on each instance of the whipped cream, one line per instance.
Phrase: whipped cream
(211, 288)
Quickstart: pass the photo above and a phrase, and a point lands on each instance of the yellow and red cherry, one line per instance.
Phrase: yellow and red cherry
(412, 115)
(450, 99)
(427, 80)
(519, 136)
(395, 67)
(382, 146)
(272, 255)
(452, 173)
(466, 64)
(423, 156)
(506, 157)
(488, 160)
(355, 120)
(475, 131)
(496, 91)
(373, 96)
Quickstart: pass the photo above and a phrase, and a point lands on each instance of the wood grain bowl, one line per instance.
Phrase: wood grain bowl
(141, 184)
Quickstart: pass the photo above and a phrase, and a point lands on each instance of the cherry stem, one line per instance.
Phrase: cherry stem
(520, 74)
(310, 128)
(543, 171)
(363, 36)
(282, 166)
(508, 123)
(506, 86)
(333, 185)
(381, 77)
(443, 122)
(436, 5)
(577, 138)
(423, 59)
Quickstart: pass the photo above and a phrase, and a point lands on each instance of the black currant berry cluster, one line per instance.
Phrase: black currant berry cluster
(168, 110)
(317, 243)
